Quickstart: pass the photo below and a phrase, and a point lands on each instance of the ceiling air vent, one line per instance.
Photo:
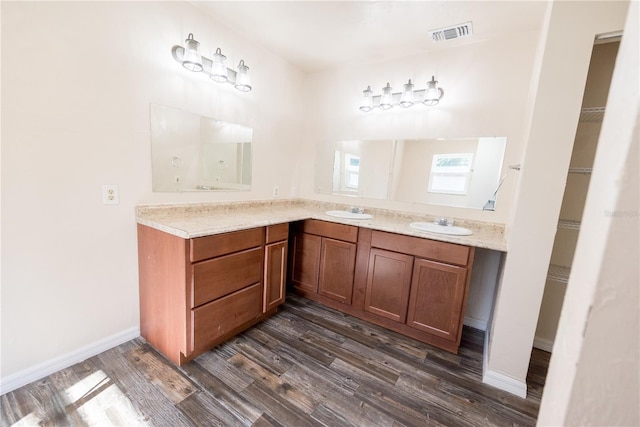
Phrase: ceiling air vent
(453, 32)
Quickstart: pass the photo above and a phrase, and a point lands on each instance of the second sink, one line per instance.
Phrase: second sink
(430, 227)
(349, 215)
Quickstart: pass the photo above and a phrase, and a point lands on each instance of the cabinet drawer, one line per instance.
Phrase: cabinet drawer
(213, 320)
(347, 233)
(424, 248)
(226, 243)
(277, 233)
(221, 276)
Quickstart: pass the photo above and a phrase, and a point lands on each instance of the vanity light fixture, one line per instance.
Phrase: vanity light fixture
(190, 58)
(409, 96)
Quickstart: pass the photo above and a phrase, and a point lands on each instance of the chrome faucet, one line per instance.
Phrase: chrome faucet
(444, 221)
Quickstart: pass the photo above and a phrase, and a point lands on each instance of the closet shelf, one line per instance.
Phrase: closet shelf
(592, 114)
(558, 273)
(568, 224)
(586, 171)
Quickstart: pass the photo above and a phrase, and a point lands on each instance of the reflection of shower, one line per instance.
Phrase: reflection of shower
(491, 203)
(176, 162)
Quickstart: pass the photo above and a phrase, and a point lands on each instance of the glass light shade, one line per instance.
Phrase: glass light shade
(218, 69)
(243, 83)
(406, 100)
(386, 98)
(433, 94)
(191, 58)
(367, 100)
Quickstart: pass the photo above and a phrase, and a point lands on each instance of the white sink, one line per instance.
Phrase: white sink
(349, 215)
(430, 227)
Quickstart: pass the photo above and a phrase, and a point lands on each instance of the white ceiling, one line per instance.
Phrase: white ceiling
(317, 35)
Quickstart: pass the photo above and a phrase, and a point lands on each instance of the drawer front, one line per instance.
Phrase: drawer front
(221, 276)
(213, 320)
(347, 233)
(277, 233)
(424, 248)
(226, 243)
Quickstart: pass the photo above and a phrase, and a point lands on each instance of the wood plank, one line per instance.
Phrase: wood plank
(362, 362)
(159, 372)
(232, 401)
(204, 411)
(279, 388)
(224, 370)
(148, 401)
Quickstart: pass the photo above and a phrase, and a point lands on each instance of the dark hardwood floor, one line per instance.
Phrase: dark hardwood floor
(307, 365)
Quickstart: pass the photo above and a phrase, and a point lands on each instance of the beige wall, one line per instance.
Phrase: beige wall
(77, 81)
(594, 375)
(563, 69)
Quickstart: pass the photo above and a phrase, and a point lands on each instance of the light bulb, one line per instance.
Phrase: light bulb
(243, 83)
(386, 98)
(406, 100)
(367, 100)
(218, 69)
(191, 59)
(433, 94)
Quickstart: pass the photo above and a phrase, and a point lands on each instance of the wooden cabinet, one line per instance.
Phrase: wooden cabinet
(388, 284)
(437, 298)
(323, 256)
(275, 261)
(196, 293)
(416, 286)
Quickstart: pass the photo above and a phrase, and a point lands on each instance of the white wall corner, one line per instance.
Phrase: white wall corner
(475, 323)
(543, 344)
(34, 373)
(499, 380)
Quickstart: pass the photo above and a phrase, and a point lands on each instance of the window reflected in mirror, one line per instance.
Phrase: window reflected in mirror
(459, 172)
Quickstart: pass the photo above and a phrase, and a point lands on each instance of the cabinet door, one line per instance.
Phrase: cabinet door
(275, 275)
(388, 284)
(305, 261)
(437, 296)
(337, 266)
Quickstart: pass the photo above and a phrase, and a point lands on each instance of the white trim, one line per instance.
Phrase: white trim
(41, 370)
(475, 323)
(498, 380)
(543, 344)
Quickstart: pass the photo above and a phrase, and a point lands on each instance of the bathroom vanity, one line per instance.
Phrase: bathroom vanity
(209, 271)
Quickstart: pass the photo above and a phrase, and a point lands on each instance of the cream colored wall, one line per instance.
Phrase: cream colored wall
(594, 374)
(77, 80)
(486, 87)
(562, 77)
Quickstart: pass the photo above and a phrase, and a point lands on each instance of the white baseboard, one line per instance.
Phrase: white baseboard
(475, 323)
(543, 344)
(499, 380)
(29, 375)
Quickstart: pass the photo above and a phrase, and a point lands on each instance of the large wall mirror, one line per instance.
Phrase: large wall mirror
(190, 152)
(462, 172)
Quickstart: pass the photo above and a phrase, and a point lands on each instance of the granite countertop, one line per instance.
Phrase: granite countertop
(204, 219)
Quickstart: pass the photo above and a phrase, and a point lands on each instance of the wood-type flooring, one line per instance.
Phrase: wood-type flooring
(307, 365)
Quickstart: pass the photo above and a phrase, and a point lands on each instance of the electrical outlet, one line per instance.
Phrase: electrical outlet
(276, 191)
(110, 195)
